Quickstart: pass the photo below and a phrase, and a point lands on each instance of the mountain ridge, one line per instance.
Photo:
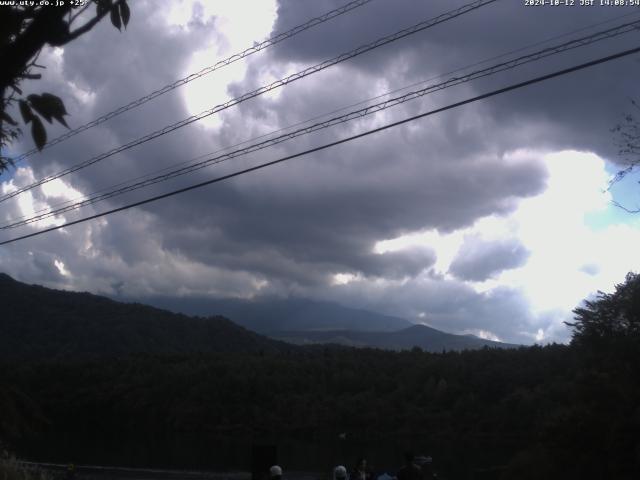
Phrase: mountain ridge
(38, 322)
(421, 336)
(303, 321)
(268, 314)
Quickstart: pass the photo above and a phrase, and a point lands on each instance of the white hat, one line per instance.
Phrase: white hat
(275, 471)
(340, 472)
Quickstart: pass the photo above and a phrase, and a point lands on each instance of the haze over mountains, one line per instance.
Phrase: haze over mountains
(306, 322)
(38, 322)
(427, 338)
(269, 314)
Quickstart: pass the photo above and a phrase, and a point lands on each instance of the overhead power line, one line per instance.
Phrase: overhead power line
(327, 114)
(371, 109)
(335, 143)
(332, 112)
(257, 47)
(264, 89)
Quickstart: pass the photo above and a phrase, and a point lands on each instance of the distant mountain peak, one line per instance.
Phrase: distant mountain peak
(41, 322)
(422, 336)
(274, 314)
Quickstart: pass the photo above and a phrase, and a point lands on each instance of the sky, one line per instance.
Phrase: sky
(493, 218)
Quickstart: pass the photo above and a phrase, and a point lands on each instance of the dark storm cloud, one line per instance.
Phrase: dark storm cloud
(333, 221)
(480, 259)
(334, 208)
(574, 112)
(297, 225)
(452, 306)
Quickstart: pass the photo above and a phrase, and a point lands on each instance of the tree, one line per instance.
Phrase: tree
(611, 316)
(24, 31)
(628, 133)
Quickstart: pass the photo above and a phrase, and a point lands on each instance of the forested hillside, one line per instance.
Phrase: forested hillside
(40, 323)
(421, 336)
(565, 412)
(533, 408)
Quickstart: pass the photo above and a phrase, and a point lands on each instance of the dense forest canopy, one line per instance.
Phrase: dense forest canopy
(559, 411)
(611, 316)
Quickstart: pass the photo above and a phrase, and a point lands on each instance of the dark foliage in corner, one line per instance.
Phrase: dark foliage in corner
(611, 317)
(25, 29)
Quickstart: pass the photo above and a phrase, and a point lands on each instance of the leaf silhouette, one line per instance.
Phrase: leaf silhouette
(40, 105)
(49, 106)
(25, 111)
(125, 13)
(115, 18)
(55, 107)
(38, 133)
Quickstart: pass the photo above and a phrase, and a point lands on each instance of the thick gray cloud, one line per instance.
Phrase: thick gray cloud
(576, 111)
(480, 259)
(453, 306)
(291, 228)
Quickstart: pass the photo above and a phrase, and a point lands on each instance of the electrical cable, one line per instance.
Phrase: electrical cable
(335, 143)
(264, 89)
(257, 47)
(524, 59)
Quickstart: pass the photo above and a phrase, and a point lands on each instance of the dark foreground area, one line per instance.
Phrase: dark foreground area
(557, 408)
(565, 412)
(94, 472)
